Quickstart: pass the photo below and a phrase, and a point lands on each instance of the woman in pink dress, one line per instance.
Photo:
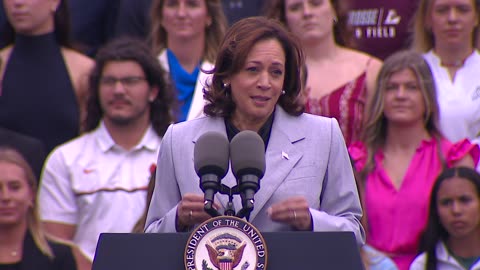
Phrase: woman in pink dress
(402, 153)
(341, 80)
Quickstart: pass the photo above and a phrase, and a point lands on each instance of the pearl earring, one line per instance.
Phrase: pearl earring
(283, 92)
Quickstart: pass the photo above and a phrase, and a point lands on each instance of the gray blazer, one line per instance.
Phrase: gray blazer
(306, 155)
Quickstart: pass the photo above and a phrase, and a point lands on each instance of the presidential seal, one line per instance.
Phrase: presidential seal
(225, 243)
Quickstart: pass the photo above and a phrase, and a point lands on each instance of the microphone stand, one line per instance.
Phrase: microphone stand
(230, 208)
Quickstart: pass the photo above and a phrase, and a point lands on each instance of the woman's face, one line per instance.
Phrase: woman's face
(16, 195)
(185, 18)
(403, 99)
(310, 19)
(458, 207)
(31, 17)
(452, 21)
(256, 88)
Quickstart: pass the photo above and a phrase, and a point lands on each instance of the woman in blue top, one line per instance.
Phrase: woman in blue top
(186, 35)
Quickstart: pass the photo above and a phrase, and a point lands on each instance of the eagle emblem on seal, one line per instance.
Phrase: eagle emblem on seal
(225, 251)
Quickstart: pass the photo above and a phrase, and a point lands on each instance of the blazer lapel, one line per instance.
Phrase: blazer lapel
(281, 157)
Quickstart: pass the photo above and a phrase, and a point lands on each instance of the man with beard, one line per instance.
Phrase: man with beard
(98, 182)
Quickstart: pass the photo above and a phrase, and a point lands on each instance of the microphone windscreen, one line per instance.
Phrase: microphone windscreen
(211, 154)
(247, 154)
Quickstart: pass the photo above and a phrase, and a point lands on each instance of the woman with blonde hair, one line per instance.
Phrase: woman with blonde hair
(23, 243)
(402, 153)
(341, 80)
(186, 34)
(445, 31)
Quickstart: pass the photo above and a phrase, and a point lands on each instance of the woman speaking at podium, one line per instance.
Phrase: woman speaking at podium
(308, 183)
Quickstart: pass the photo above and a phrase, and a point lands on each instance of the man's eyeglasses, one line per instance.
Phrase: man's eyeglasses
(127, 82)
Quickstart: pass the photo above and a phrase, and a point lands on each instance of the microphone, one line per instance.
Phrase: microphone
(210, 158)
(247, 154)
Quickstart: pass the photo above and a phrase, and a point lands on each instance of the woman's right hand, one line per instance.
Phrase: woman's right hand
(190, 211)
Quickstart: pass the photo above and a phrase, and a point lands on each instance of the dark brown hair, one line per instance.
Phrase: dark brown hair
(236, 46)
(435, 230)
(128, 49)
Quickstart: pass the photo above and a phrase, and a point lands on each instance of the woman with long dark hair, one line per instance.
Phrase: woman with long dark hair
(452, 237)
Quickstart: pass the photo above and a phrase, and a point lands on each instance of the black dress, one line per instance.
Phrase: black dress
(33, 258)
(37, 97)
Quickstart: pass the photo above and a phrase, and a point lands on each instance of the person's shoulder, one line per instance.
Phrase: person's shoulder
(431, 58)
(308, 117)
(194, 124)
(207, 65)
(5, 52)
(313, 123)
(4, 55)
(419, 262)
(359, 57)
(78, 60)
(75, 146)
(476, 53)
(63, 252)
(473, 59)
(59, 247)
(378, 260)
(8, 136)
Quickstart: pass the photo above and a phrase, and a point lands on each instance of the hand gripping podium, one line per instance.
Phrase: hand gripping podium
(286, 250)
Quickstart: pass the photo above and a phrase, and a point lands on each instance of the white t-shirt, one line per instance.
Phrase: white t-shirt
(96, 185)
(459, 100)
(445, 261)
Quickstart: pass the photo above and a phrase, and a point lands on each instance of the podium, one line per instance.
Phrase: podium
(286, 250)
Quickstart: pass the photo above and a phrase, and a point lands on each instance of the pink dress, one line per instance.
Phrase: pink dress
(397, 217)
(346, 104)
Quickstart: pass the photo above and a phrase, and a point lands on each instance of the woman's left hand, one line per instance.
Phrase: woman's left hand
(293, 211)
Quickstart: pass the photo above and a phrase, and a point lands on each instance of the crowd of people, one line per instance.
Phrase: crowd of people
(369, 114)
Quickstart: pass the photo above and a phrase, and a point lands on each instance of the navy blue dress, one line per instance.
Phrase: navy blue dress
(37, 97)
